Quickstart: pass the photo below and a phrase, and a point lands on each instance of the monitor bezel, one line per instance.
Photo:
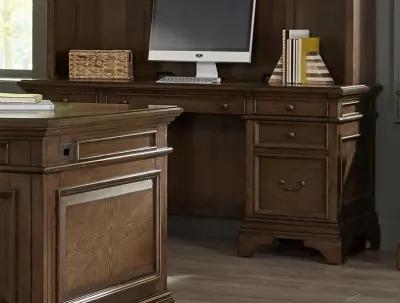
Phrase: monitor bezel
(205, 56)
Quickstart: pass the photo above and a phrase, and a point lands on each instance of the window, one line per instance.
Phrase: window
(23, 38)
(16, 36)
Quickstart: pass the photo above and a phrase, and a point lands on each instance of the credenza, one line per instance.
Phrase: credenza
(83, 204)
(295, 162)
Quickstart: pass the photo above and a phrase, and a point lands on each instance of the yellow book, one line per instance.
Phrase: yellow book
(307, 45)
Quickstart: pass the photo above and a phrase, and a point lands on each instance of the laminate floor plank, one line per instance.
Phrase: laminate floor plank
(210, 272)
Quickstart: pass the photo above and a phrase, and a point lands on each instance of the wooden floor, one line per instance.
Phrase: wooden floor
(210, 272)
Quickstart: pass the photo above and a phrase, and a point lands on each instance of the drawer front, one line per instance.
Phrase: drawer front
(291, 186)
(291, 135)
(71, 97)
(109, 146)
(290, 107)
(190, 104)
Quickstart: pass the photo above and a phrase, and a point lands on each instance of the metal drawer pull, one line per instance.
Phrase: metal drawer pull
(299, 187)
(290, 108)
(225, 106)
(125, 101)
(291, 135)
(65, 99)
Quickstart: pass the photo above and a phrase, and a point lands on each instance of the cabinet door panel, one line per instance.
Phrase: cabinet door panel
(109, 237)
(292, 186)
(8, 274)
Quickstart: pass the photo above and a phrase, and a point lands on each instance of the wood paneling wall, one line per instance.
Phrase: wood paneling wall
(346, 28)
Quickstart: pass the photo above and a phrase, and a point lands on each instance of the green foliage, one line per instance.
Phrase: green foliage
(12, 21)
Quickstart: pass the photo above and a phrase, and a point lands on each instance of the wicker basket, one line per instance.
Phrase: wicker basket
(100, 64)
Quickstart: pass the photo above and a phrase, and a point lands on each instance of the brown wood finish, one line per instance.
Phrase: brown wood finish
(346, 29)
(302, 158)
(89, 228)
(317, 186)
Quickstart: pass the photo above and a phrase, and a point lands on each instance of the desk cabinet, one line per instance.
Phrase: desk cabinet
(83, 205)
(295, 162)
(310, 174)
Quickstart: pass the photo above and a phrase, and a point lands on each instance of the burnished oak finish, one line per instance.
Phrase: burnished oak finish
(83, 204)
(302, 158)
(311, 176)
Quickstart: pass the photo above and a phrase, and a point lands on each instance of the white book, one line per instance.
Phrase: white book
(20, 98)
(296, 45)
(299, 33)
(44, 105)
(289, 61)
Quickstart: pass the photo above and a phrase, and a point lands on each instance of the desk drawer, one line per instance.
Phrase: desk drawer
(291, 135)
(291, 186)
(190, 104)
(290, 107)
(71, 97)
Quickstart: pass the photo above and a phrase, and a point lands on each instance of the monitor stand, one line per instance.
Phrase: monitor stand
(206, 74)
(207, 70)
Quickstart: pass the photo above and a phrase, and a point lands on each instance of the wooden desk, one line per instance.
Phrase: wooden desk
(295, 162)
(83, 204)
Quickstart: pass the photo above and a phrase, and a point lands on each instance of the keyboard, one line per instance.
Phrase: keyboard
(189, 80)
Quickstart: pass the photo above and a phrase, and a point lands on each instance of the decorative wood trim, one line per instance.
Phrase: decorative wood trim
(151, 133)
(4, 152)
(103, 188)
(8, 247)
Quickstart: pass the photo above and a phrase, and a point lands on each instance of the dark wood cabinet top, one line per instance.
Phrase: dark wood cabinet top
(75, 114)
(147, 86)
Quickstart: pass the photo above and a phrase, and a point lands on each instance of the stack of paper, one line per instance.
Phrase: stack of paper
(24, 102)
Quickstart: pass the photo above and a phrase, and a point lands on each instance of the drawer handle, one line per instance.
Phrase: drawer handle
(290, 108)
(299, 186)
(65, 99)
(125, 101)
(225, 106)
(291, 135)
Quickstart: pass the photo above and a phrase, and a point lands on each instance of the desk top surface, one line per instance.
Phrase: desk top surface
(232, 86)
(79, 110)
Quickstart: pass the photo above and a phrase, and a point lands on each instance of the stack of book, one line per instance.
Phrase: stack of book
(301, 62)
(24, 102)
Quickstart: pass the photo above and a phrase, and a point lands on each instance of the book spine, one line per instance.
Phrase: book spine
(17, 100)
(289, 63)
(284, 56)
(292, 60)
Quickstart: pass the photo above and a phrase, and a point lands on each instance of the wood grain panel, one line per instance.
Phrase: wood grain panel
(291, 135)
(291, 186)
(204, 178)
(8, 273)
(108, 236)
(3, 152)
(109, 146)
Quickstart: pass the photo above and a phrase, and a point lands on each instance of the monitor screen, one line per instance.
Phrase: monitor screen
(202, 25)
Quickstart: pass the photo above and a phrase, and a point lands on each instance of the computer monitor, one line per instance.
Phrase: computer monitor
(202, 31)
